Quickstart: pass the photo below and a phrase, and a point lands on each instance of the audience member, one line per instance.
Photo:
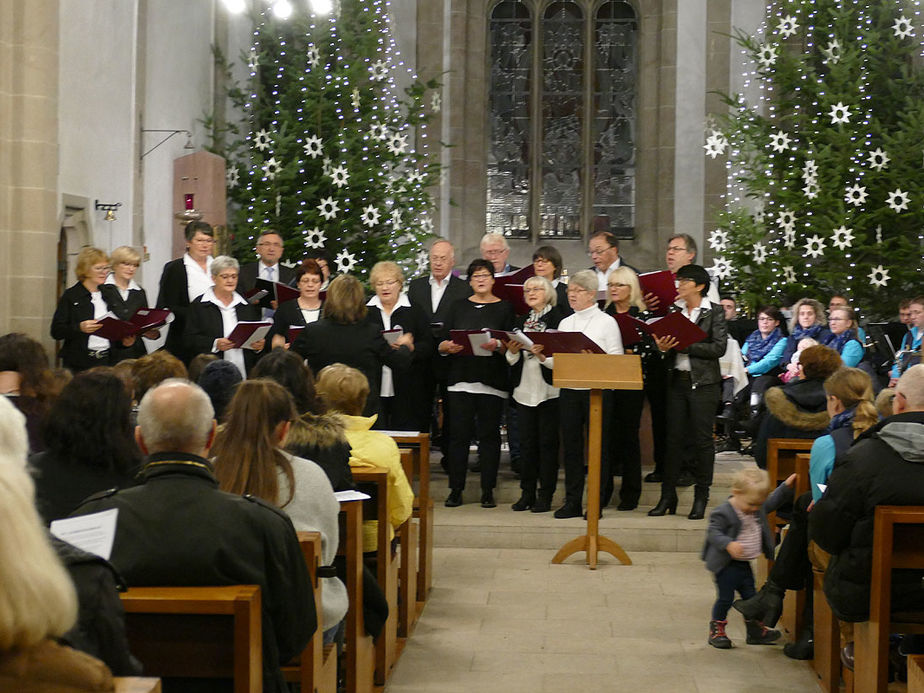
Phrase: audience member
(739, 326)
(185, 279)
(843, 339)
(248, 459)
(910, 350)
(124, 297)
(302, 310)
(904, 312)
(90, 445)
(166, 533)
(808, 321)
(220, 379)
(153, 369)
(27, 381)
(198, 363)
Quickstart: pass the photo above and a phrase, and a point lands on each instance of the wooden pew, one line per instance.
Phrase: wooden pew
(316, 669)
(827, 660)
(197, 632)
(419, 444)
(359, 653)
(408, 538)
(136, 684)
(792, 619)
(898, 543)
(374, 481)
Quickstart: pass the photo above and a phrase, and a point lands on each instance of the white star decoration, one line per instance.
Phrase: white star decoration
(715, 144)
(436, 102)
(760, 253)
(253, 62)
(789, 238)
(261, 140)
(779, 141)
(378, 70)
(423, 257)
(879, 276)
(879, 234)
(396, 219)
(339, 175)
(315, 238)
(898, 200)
(721, 268)
(314, 56)
(326, 167)
(355, 98)
(378, 131)
(271, 168)
(810, 170)
(815, 246)
(370, 216)
(839, 114)
(786, 220)
(856, 195)
(328, 208)
(787, 26)
(397, 145)
(766, 56)
(718, 240)
(426, 224)
(902, 29)
(415, 178)
(842, 238)
(233, 177)
(313, 147)
(833, 52)
(811, 189)
(878, 159)
(789, 274)
(345, 261)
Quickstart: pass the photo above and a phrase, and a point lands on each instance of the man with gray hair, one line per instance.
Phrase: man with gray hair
(177, 529)
(496, 250)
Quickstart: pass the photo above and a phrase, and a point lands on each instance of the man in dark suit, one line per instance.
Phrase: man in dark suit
(496, 250)
(603, 249)
(434, 294)
(269, 250)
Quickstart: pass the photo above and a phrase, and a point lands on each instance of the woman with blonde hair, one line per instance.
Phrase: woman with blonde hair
(124, 297)
(249, 458)
(38, 603)
(808, 321)
(842, 323)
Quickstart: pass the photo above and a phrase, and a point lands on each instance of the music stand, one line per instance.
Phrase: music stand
(598, 372)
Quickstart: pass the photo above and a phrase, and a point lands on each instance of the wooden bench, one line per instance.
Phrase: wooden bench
(827, 660)
(792, 619)
(374, 481)
(419, 445)
(898, 544)
(136, 684)
(916, 674)
(197, 632)
(408, 541)
(316, 669)
(359, 653)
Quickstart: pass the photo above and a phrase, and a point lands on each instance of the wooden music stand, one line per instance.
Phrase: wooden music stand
(598, 372)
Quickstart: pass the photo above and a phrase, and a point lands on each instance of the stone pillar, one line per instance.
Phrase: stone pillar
(29, 225)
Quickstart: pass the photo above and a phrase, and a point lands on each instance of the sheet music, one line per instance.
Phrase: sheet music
(94, 533)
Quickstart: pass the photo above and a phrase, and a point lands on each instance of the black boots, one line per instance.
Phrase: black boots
(527, 501)
(666, 506)
(804, 647)
(487, 498)
(455, 498)
(543, 502)
(759, 634)
(766, 605)
(701, 497)
(717, 636)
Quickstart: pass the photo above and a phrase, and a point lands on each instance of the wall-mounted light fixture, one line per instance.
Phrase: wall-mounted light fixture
(189, 144)
(109, 208)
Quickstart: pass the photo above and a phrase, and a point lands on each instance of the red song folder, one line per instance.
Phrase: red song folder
(265, 291)
(564, 342)
(662, 285)
(246, 332)
(676, 325)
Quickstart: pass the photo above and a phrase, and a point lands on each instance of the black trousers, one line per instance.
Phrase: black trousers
(656, 393)
(691, 414)
(538, 429)
(471, 412)
(575, 415)
(624, 423)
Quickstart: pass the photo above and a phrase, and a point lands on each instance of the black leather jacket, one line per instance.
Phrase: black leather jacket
(705, 355)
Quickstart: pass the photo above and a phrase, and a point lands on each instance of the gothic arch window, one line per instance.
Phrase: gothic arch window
(561, 109)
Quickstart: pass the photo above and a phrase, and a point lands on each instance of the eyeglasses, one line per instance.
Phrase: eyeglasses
(386, 284)
(228, 276)
(101, 268)
(578, 289)
(677, 249)
(533, 289)
(129, 264)
(765, 318)
(681, 280)
(494, 252)
(483, 275)
(597, 253)
(616, 285)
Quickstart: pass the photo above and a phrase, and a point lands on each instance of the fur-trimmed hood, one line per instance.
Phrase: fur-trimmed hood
(800, 407)
(316, 431)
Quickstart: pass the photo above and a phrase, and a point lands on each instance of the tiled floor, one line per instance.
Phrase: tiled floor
(508, 620)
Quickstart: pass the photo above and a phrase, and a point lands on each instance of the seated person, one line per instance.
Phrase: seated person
(345, 389)
(798, 409)
(154, 368)
(220, 379)
(884, 467)
(178, 529)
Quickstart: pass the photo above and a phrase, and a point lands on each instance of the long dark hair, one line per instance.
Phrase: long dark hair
(21, 353)
(247, 456)
(289, 370)
(90, 424)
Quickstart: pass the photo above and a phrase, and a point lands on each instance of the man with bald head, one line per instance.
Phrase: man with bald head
(178, 529)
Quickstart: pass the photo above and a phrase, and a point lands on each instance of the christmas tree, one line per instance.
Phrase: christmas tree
(826, 188)
(324, 148)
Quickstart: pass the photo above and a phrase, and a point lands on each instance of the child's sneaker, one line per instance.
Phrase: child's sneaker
(717, 637)
(759, 634)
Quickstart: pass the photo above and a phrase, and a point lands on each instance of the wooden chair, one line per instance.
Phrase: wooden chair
(197, 632)
(419, 445)
(792, 619)
(315, 670)
(898, 544)
(374, 481)
(359, 653)
(408, 537)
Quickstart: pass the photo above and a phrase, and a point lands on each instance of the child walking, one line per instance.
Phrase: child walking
(738, 532)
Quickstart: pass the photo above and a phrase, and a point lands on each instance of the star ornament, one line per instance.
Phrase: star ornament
(856, 195)
(313, 147)
(766, 56)
(718, 240)
(832, 54)
(355, 98)
(839, 114)
(786, 219)
(339, 175)
(397, 145)
(315, 238)
(423, 258)
(810, 170)
(789, 274)
(328, 208)
(878, 276)
(779, 141)
(345, 261)
(787, 26)
(842, 238)
(370, 216)
(789, 238)
(898, 200)
(878, 159)
(815, 246)
(716, 144)
(261, 140)
(233, 177)
(378, 132)
(396, 219)
(378, 71)
(811, 189)
(902, 28)
(271, 168)
(436, 102)
(314, 56)
(426, 224)
(721, 268)
(760, 253)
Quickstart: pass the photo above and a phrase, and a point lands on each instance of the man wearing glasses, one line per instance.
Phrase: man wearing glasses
(183, 280)
(494, 249)
(603, 249)
(269, 252)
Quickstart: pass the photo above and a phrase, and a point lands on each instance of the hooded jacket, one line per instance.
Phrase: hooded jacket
(321, 438)
(795, 410)
(885, 466)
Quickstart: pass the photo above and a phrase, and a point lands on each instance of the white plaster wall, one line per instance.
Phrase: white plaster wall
(689, 166)
(96, 109)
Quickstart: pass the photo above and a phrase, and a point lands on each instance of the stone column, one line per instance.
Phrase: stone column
(29, 225)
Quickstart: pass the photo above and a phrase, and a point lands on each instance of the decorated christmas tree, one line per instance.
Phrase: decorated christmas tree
(323, 149)
(826, 166)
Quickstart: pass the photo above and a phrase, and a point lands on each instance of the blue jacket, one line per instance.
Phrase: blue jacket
(724, 527)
